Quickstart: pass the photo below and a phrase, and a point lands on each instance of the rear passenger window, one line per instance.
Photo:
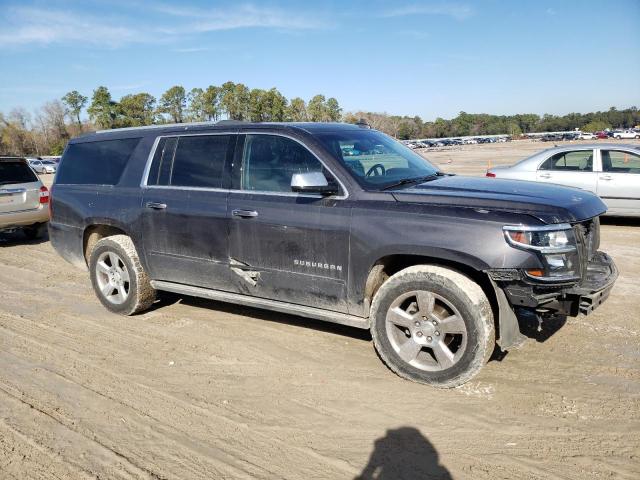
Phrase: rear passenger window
(190, 161)
(160, 173)
(578, 161)
(96, 163)
(616, 161)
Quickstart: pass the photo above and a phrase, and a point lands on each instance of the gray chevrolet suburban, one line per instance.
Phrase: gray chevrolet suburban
(335, 222)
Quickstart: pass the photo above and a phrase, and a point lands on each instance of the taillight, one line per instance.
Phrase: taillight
(44, 194)
(491, 174)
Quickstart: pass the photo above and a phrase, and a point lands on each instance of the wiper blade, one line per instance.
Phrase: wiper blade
(407, 181)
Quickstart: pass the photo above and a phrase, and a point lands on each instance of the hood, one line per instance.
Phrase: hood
(549, 203)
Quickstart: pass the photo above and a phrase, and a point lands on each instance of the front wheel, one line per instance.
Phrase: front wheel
(432, 325)
(120, 282)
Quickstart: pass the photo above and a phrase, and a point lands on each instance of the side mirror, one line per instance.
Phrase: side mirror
(312, 182)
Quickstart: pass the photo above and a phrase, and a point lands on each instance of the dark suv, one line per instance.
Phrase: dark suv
(277, 216)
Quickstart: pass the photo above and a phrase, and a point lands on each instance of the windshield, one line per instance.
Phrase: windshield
(375, 159)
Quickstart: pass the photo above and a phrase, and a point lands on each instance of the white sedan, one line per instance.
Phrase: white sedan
(610, 170)
(587, 136)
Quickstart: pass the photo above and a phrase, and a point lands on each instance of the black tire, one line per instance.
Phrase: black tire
(140, 293)
(451, 292)
(36, 231)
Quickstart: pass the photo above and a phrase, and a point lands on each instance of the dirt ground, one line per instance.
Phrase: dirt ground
(200, 389)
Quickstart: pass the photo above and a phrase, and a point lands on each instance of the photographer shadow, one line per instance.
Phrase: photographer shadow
(404, 453)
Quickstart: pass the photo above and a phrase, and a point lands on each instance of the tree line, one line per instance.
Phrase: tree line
(234, 101)
(48, 130)
(469, 124)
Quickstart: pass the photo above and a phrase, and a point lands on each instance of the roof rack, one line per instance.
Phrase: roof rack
(169, 125)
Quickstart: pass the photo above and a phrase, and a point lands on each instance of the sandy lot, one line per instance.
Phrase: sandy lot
(199, 389)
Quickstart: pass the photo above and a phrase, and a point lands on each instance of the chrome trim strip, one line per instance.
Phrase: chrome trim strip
(538, 228)
(147, 168)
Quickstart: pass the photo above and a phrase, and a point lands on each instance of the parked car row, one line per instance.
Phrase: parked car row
(446, 142)
(600, 135)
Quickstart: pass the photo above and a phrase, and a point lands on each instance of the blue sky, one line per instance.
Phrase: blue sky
(427, 58)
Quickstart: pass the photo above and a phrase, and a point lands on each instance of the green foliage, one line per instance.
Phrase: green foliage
(74, 103)
(595, 126)
(197, 105)
(211, 100)
(102, 110)
(297, 110)
(320, 109)
(173, 103)
(316, 108)
(136, 110)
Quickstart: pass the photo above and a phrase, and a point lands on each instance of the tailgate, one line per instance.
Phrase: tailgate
(20, 196)
(19, 187)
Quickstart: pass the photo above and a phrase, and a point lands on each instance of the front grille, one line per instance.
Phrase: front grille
(588, 238)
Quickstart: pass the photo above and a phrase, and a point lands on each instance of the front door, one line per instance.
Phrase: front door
(573, 168)
(185, 211)
(619, 182)
(283, 245)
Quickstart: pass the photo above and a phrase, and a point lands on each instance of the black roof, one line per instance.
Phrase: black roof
(228, 125)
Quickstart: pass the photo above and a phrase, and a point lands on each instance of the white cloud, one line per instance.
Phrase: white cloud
(457, 11)
(162, 23)
(26, 25)
(242, 16)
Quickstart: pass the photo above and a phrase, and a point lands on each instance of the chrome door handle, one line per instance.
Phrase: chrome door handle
(606, 177)
(245, 213)
(156, 205)
(545, 175)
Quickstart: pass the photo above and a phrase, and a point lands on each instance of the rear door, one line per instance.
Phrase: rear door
(619, 181)
(572, 168)
(19, 187)
(184, 204)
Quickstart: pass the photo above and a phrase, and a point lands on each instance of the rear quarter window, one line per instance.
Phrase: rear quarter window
(96, 163)
(16, 172)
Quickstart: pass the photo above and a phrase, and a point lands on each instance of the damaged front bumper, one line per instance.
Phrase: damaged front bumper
(584, 297)
(599, 276)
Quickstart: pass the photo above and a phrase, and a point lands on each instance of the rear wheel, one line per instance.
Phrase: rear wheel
(120, 282)
(432, 325)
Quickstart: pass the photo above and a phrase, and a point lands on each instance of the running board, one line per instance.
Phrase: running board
(284, 307)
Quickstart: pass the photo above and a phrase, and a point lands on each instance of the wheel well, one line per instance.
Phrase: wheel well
(93, 234)
(389, 265)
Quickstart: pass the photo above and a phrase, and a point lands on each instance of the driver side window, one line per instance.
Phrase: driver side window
(577, 161)
(269, 162)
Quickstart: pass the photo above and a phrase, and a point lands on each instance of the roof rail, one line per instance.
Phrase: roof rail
(169, 125)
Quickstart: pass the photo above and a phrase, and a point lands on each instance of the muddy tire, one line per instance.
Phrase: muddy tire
(432, 325)
(120, 282)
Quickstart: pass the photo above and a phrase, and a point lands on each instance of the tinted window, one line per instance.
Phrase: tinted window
(269, 162)
(616, 161)
(16, 172)
(578, 161)
(160, 171)
(199, 161)
(96, 163)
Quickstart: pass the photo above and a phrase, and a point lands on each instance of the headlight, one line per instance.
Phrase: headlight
(555, 245)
